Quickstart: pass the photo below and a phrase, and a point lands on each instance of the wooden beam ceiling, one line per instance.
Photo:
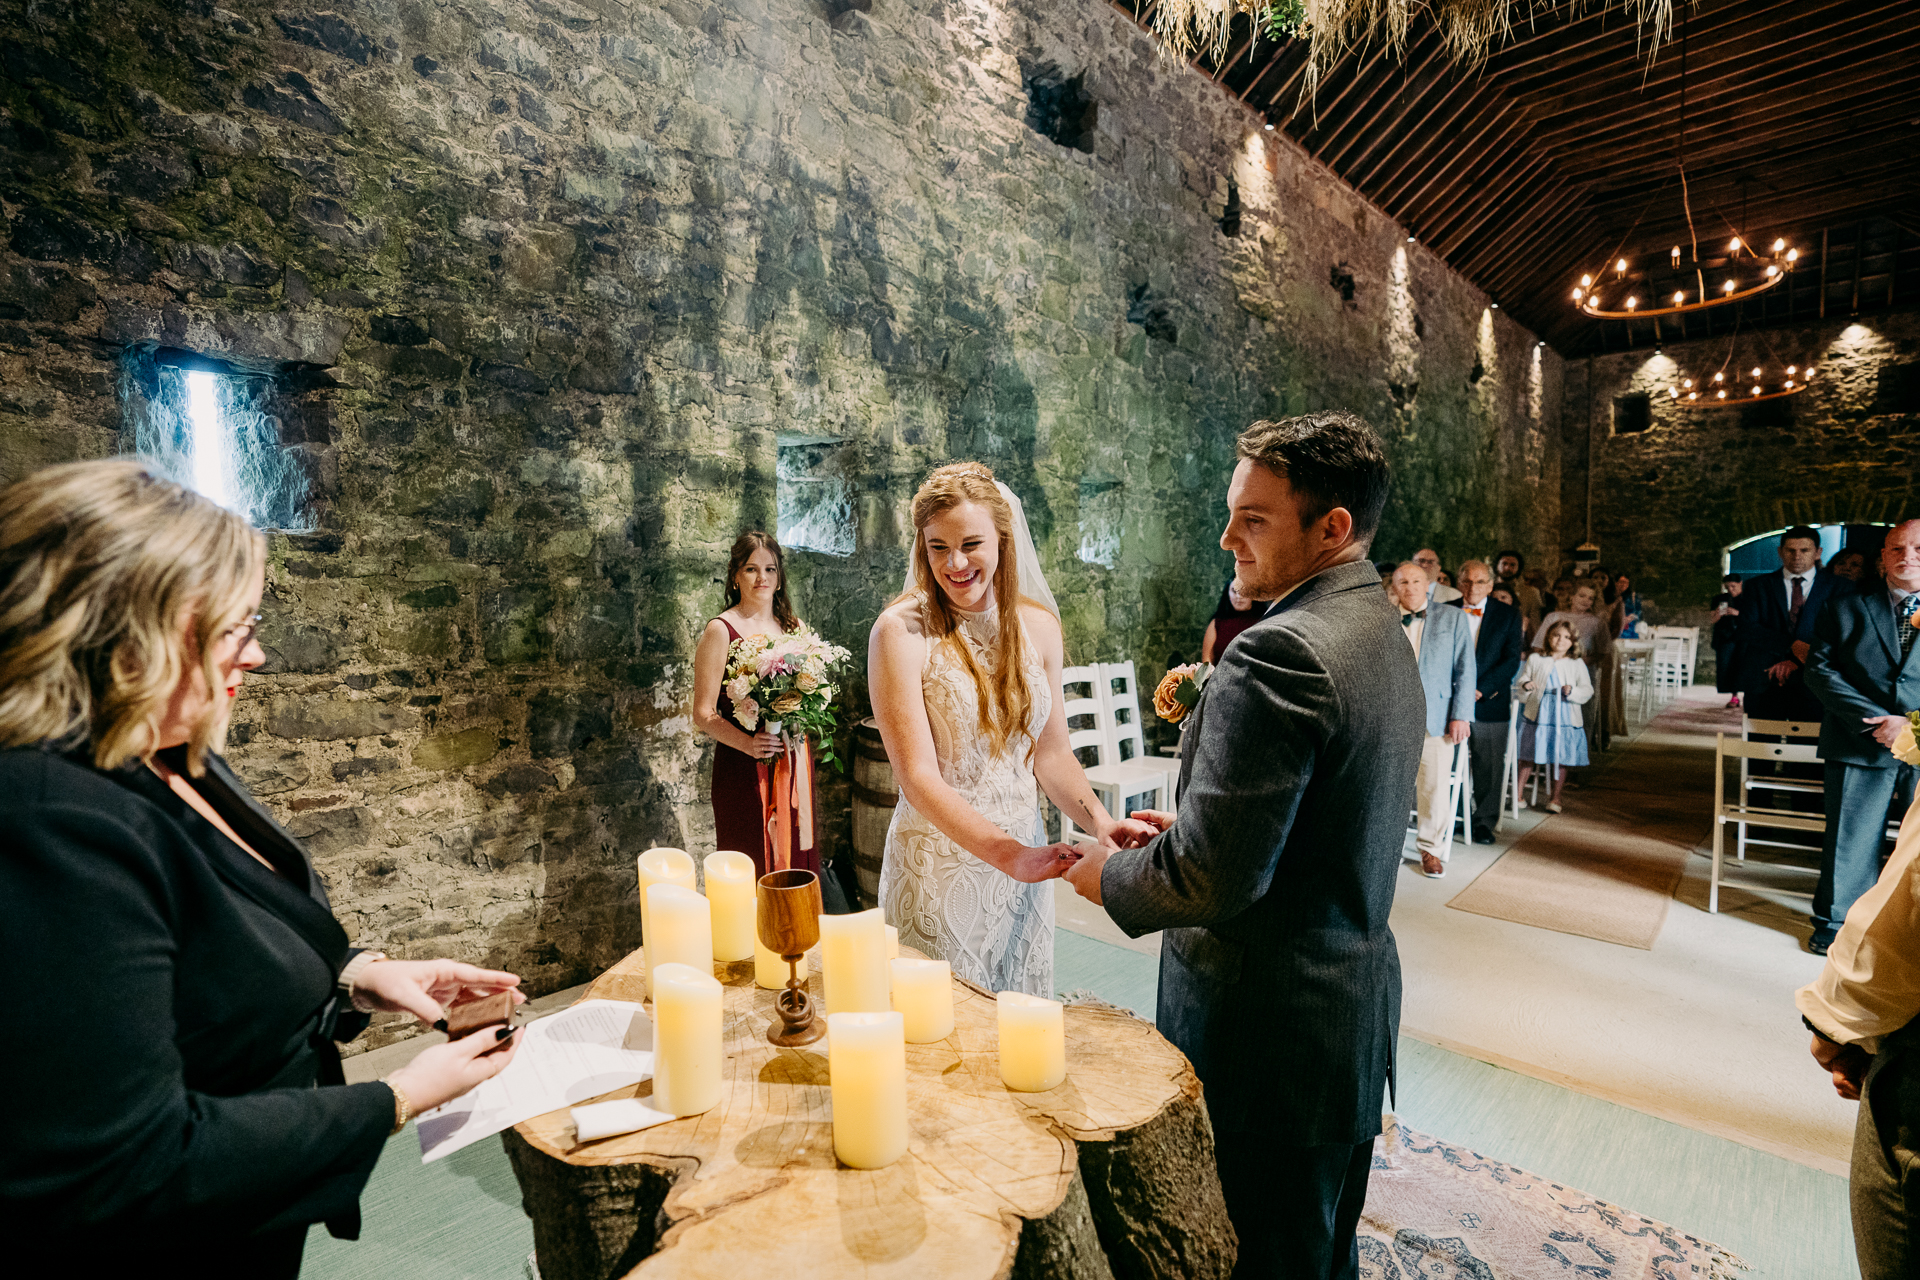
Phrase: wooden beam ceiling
(1802, 118)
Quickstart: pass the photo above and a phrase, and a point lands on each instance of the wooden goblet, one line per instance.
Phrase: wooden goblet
(788, 917)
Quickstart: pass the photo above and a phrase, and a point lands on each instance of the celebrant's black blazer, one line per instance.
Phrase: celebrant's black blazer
(1279, 977)
(174, 1005)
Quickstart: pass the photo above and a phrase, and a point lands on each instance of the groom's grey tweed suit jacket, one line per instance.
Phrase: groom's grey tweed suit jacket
(1279, 978)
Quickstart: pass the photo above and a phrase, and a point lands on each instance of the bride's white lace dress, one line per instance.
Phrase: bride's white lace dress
(993, 929)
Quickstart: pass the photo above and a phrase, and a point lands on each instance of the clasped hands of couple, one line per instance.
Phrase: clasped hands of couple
(1079, 865)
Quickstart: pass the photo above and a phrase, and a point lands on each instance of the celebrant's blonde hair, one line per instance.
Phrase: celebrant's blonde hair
(1005, 702)
(100, 563)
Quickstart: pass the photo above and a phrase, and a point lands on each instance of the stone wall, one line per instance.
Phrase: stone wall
(1667, 500)
(546, 284)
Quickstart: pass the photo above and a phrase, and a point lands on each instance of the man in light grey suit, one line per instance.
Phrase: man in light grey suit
(1279, 977)
(1443, 643)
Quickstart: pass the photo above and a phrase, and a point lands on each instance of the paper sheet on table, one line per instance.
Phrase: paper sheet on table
(582, 1052)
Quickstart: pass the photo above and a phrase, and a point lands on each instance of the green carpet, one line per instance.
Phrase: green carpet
(461, 1218)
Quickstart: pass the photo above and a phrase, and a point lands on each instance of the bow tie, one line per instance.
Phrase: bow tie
(1406, 619)
(1470, 609)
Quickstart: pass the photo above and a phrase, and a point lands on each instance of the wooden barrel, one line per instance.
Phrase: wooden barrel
(874, 797)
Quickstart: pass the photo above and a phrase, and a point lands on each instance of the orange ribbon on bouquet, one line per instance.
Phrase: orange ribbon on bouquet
(786, 794)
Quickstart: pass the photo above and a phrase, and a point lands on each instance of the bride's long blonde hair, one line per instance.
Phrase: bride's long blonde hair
(1005, 701)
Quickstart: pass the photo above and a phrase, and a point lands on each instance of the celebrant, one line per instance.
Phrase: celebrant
(761, 692)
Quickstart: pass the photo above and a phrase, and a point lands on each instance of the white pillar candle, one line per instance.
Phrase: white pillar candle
(923, 995)
(893, 943)
(853, 962)
(1033, 1042)
(682, 930)
(660, 866)
(730, 888)
(686, 1039)
(769, 970)
(867, 1064)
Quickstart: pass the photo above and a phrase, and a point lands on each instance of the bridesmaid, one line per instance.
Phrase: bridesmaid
(757, 605)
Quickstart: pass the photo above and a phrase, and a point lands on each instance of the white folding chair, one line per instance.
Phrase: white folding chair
(1671, 675)
(1084, 732)
(1741, 811)
(1510, 771)
(1800, 732)
(1459, 800)
(1637, 675)
(1690, 640)
(1127, 768)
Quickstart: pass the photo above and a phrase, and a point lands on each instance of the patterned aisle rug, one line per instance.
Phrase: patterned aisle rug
(1440, 1212)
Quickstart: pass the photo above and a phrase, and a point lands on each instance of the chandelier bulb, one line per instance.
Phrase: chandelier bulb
(1693, 395)
(1719, 377)
(1585, 281)
(1686, 382)
(1778, 245)
(1676, 255)
(1727, 287)
(1576, 294)
(1756, 371)
(1674, 392)
(1772, 272)
(1793, 255)
(1720, 394)
(1620, 267)
(1756, 389)
(1791, 371)
(1733, 245)
(1679, 299)
(1632, 303)
(1789, 384)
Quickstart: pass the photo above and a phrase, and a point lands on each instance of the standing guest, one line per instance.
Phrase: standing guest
(1862, 670)
(1555, 684)
(190, 1105)
(1726, 622)
(1445, 579)
(1496, 659)
(1606, 601)
(1864, 1012)
(1443, 644)
(1628, 605)
(1234, 614)
(1851, 564)
(1560, 599)
(1510, 569)
(1593, 645)
(746, 812)
(1279, 978)
(1438, 592)
(1775, 631)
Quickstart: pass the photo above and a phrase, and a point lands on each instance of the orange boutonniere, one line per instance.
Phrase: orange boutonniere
(1179, 692)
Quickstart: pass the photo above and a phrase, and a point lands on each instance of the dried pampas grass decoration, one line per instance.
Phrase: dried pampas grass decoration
(1332, 28)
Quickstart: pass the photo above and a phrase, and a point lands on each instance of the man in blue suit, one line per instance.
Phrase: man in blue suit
(1496, 661)
(1863, 669)
(1775, 633)
(1443, 643)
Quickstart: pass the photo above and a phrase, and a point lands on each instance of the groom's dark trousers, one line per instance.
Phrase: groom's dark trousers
(1279, 978)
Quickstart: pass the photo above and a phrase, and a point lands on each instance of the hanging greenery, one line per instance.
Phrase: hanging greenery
(1331, 28)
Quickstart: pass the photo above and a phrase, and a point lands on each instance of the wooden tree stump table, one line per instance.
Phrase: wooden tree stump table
(1109, 1175)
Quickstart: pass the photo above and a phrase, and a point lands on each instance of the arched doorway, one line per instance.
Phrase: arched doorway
(1761, 552)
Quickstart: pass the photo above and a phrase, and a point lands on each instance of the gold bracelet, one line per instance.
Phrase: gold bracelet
(402, 1109)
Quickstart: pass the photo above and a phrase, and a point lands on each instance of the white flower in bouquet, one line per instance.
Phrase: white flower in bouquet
(739, 687)
(747, 712)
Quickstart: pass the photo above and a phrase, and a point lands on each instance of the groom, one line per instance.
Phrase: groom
(1279, 977)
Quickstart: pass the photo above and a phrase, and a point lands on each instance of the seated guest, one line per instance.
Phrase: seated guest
(1775, 631)
(1862, 670)
(1443, 644)
(1726, 621)
(1234, 614)
(1555, 684)
(187, 1103)
(1496, 659)
(1438, 592)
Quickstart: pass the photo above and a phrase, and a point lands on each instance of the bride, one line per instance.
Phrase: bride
(964, 670)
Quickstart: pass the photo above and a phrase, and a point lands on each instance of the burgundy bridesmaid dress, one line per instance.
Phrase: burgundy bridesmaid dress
(739, 783)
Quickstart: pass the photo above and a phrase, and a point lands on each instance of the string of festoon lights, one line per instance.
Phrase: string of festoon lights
(1662, 286)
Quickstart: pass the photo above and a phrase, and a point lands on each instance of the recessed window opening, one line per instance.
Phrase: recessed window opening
(813, 496)
(218, 431)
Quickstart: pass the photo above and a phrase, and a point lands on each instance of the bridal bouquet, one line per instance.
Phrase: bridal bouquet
(786, 680)
(1905, 749)
(1179, 691)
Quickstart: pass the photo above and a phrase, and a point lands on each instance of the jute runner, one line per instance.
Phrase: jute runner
(1607, 867)
(1440, 1212)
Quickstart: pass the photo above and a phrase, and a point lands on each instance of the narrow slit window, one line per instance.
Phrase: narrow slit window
(220, 433)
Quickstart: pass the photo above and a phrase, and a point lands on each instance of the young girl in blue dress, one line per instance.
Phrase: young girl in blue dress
(1556, 684)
